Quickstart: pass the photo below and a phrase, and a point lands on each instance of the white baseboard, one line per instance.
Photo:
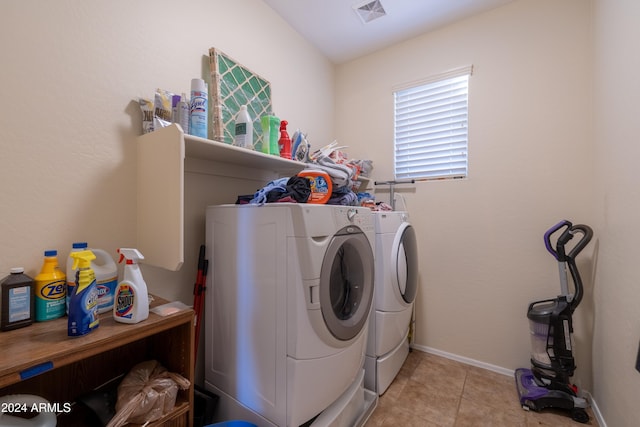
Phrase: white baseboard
(595, 409)
(465, 360)
(503, 371)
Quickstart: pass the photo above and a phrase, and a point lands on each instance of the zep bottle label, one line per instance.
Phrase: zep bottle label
(50, 299)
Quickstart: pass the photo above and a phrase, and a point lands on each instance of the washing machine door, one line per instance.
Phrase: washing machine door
(404, 261)
(346, 283)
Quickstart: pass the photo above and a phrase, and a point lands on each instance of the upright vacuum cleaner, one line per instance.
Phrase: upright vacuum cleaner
(547, 384)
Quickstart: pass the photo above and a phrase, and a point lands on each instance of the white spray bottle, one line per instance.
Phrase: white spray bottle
(131, 303)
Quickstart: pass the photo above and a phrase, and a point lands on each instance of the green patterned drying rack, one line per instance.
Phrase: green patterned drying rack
(233, 85)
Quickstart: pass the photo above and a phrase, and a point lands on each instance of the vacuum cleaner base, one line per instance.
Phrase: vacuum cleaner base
(536, 397)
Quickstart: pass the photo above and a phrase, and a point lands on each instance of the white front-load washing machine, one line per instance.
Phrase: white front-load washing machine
(396, 285)
(290, 290)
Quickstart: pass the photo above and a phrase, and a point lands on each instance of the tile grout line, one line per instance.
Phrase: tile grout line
(464, 384)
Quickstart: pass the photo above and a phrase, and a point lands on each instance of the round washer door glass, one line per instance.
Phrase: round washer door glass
(346, 283)
(405, 257)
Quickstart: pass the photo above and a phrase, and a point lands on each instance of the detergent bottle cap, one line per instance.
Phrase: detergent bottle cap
(51, 253)
(82, 259)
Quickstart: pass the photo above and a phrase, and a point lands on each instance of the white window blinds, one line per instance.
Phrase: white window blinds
(430, 127)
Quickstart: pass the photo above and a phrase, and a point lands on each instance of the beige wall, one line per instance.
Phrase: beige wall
(482, 257)
(70, 73)
(68, 127)
(617, 205)
(68, 124)
(553, 132)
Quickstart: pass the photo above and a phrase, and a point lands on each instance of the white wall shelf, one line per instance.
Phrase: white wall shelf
(161, 192)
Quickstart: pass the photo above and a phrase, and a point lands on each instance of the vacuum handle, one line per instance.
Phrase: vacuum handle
(553, 230)
(587, 234)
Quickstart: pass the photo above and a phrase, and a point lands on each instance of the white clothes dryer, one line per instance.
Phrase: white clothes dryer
(290, 291)
(396, 285)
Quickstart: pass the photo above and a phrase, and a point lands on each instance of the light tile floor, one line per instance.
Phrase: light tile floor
(432, 391)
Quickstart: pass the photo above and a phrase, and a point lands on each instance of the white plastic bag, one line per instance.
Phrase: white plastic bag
(147, 393)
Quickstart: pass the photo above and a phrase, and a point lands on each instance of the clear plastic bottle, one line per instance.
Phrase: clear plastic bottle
(50, 289)
(244, 129)
(198, 109)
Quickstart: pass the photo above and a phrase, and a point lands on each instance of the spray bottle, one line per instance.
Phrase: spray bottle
(132, 300)
(83, 305)
(284, 143)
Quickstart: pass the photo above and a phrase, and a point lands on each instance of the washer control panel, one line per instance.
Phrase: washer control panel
(352, 215)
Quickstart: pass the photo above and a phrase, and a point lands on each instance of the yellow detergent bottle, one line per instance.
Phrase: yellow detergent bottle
(131, 303)
(83, 304)
(50, 290)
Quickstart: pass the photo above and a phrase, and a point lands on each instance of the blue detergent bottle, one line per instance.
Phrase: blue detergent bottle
(83, 303)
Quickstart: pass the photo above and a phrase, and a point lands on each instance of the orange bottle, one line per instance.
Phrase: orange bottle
(321, 186)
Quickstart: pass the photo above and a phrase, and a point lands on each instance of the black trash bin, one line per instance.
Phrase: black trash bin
(204, 403)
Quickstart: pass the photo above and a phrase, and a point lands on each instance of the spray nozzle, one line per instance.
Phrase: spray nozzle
(82, 259)
(131, 255)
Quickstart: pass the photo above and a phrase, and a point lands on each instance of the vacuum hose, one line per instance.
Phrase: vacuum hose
(569, 259)
(587, 234)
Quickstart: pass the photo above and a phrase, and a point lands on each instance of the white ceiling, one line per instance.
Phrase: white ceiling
(335, 28)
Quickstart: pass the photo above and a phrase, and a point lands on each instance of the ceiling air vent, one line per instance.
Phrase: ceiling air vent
(369, 10)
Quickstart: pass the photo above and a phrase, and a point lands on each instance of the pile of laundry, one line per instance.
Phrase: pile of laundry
(297, 189)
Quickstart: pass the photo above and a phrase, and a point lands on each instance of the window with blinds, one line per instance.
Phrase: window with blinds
(430, 127)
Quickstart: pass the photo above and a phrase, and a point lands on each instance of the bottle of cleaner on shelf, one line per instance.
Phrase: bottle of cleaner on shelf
(71, 271)
(265, 124)
(198, 108)
(132, 300)
(50, 289)
(83, 305)
(17, 304)
(284, 143)
(106, 271)
(274, 127)
(183, 113)
(244, 129)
